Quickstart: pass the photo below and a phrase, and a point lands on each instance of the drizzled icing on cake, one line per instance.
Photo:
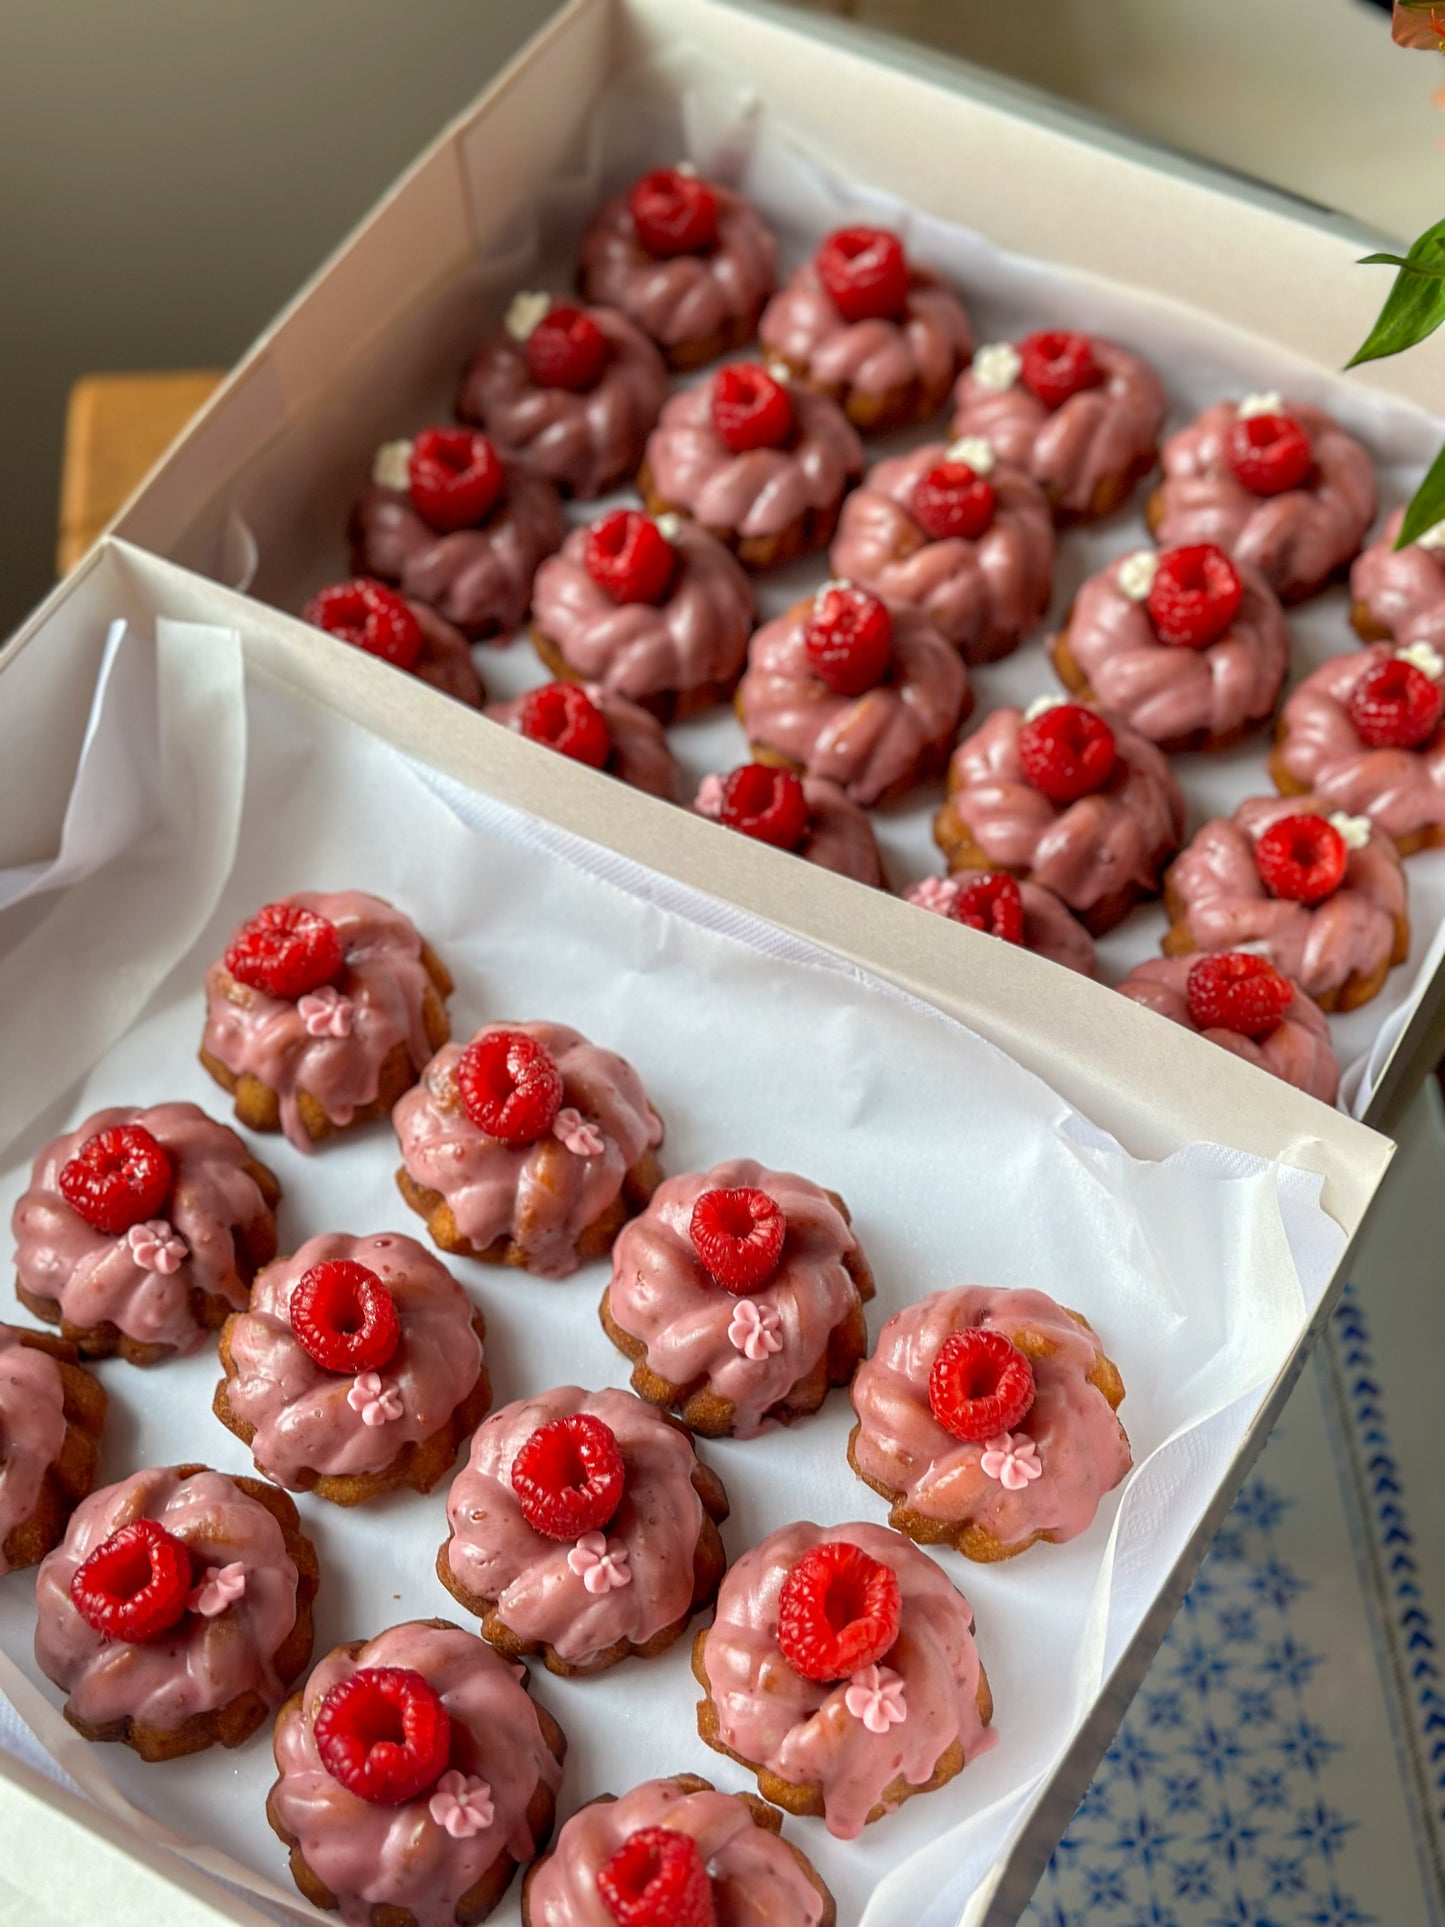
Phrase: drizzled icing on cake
(32, 1428)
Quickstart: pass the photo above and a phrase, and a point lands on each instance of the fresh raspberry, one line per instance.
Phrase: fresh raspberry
(1269, 453)
(1067, 752)
(565, 718)
(510, 1087)
(865, 272)
(848, 637)
(384, 1734)
(1235, 990)
(952, 500)
(768, 804)
(838, 1612)
(1058, 365)
(1195, 596)
(1395, 706)
(285, 950)
(566, 349)
(455, 478)
(738, 1236)
(980, 1385)
(344, 1317)
(118, 1178)
(673, 213)
(135, 1584)
(657, 1878)
(1301, 859)
(369, 616)
(568, 1476)
(992, 903)
(749, 408)
(629, 557)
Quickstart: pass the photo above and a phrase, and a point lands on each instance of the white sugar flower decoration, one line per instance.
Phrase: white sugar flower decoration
(709, 800)
(876, 1696)
(938, 894)
(1267, 402)
(975, 451)
(1424, 656)
(600, 1563)
(755, 1330)
(525, 311)
(1136, 574)
(581, 1137)
(377, 1399)
(156, 1246)
(781, 373)
(220, 1588)
(1354, 830)
(1041, 705)
(326, 1013)
(391, 467)
(1012, 1459)
(669, 525)
(461, 1804)
(997, 366)
(1433, 537)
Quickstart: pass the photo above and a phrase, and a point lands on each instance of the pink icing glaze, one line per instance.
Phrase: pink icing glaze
(97, 1277)
(383, 978)
(402, 1856)
(1167, 692)
(764, 491)
(478, 579)
(1404, 592)
(1299, 1051)
(1096, 437)
(204, 1661)
(868, 744)
(692, 297)
(661, 1295)
(583, 442)
(697, 635)
(756, 1878)
(1050, 930)
(1403, 790)
(32, 1428)
(839, 835)
(1227, 907)
(983, 595)
(540, 1592)
(640, 754)
(303, 1414)
(1296, 540)
(1079, 1442)
(928, 345)
(799, 1728)
(541, 1195)
(1086, 851)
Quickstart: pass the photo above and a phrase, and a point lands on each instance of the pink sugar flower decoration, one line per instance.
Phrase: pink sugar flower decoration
(326, 1013)
(377, 1399)
(1012, 1459)
(221, 1587)
(756, 1330)
(876, 1696)
(461, 1805)
(581, 1137)
(600, 1563)
(938, 894)
(710, 796)
(156, 1246)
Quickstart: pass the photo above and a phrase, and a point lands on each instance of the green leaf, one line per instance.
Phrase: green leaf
(1415, 305)
(1427, 505)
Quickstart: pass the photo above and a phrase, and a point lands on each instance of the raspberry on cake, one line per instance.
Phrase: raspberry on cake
(176, 1612)
(408, 635)
(1398, 595)
(1186, 647)
(322, 1011)
(415, 1775)
(1067, 797)
(1364, 733)
(528, 1146)
(569, 393)
(969, 541)
(809, 816)
(848, 686)
(987, 1420)
(449, 524)
(584, 1527)
(357, 1369)
(759, 462)
(882, 336)
(657, 612)
(675, 1853)
(688, 260)
(1278, 485)
(51, 1414)
(738, 1295)
(597, 727)
(1077, 413)
(841, 1668)
(142, 1230)
(1020, 913)
(1320, 894)
(1241, 1002)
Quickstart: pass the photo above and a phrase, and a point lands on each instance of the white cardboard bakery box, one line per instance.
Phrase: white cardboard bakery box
(901, 123)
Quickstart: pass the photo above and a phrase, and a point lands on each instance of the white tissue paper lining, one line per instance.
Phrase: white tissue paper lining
(1200, 1273)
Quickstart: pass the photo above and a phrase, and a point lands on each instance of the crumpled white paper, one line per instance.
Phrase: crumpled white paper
(1200, 1273)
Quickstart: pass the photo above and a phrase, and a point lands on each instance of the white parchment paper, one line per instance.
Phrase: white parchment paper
(1200, 1273)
